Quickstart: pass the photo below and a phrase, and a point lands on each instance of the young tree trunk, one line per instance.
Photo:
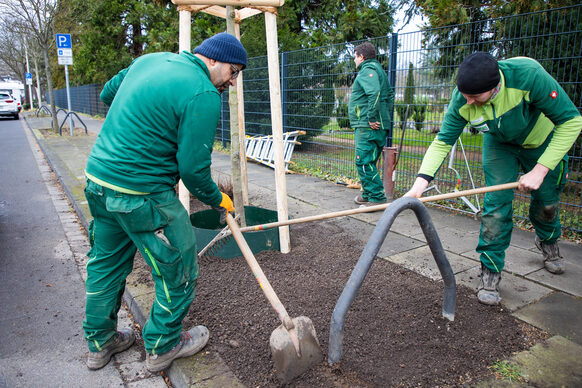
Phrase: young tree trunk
(235, 156)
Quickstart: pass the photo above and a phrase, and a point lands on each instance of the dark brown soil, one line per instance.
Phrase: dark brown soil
(394, 332)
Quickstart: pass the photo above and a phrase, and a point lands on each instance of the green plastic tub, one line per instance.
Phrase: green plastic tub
(207, 225)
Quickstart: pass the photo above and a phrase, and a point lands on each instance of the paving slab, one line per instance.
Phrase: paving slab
(421, 260)
(555, 363)
(267, 180)
(519, 261)
(454, 239)
(407, 224)
(203, 370)
(570, 281)
(152, 382)
(135, 371)
(393, 244)
(557, 313)
(442, 217)
(523, 239)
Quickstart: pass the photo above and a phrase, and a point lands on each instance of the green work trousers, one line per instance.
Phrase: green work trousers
(369, 145)
(158, 225)
(501, 164)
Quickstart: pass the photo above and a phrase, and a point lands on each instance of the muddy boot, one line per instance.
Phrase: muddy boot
(359, 200)
(552, 259)
(191, 342)
(488, 291)
(97, 360)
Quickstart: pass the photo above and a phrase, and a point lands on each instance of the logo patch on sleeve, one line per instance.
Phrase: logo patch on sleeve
(554, 94)
(371, 75)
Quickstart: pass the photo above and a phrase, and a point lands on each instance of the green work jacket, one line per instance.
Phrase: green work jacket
(160, 127)
(371, 98)
(530, 105)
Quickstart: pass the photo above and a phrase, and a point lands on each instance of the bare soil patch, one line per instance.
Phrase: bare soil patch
(65, 131)
(394, 332)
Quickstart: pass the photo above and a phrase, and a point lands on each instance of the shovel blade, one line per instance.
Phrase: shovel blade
(287, 364)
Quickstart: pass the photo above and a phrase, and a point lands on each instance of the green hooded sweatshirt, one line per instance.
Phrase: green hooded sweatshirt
(529, 106)
(372, 97)
(160, 128)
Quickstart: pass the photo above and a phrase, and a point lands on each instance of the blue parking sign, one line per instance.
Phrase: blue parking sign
(64, 41)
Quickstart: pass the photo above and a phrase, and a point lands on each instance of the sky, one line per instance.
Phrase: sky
(412, 26)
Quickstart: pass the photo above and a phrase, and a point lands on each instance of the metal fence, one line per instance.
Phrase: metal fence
(84, 99)
(316, 83)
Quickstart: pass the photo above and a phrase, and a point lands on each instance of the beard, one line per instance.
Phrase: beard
(222, 87)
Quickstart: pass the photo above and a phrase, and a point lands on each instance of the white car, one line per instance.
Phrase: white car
(8, 106)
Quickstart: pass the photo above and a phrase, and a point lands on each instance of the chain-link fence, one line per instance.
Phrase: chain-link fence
(316, 83)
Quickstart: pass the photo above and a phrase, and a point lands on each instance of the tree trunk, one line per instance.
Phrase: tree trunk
(48, 73)
(38, 90)
(234, 137)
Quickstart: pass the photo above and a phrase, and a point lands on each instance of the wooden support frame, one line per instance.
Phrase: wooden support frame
(186, 7)
(235, 3)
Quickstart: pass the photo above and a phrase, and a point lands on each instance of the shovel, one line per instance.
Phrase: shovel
(294, 344)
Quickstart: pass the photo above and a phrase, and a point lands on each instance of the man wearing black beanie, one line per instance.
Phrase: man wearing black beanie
(163, 113)
(528, 123)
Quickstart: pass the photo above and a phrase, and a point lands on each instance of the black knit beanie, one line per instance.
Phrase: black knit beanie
(478, 73)
(223, 47)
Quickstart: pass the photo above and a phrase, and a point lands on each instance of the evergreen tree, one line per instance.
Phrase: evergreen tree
(406, 109)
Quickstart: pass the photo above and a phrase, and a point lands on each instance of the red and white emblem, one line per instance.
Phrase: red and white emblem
(554, 94)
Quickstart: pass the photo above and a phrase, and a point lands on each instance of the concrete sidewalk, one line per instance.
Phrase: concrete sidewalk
(551, 302)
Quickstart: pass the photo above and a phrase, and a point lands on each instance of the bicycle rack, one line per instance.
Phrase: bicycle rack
(475, 208)
(45, 108)
(65, 119)
(336, 332)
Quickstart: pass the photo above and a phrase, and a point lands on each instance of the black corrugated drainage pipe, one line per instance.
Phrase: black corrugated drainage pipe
(336, 332)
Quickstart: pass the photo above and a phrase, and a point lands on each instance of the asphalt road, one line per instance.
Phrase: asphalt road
(41, 290)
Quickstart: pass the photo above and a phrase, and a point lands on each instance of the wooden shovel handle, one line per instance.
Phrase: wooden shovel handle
(465, 193)
(433, 198)
(258, 272)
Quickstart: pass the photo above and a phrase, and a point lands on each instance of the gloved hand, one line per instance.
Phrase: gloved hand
(225, 206)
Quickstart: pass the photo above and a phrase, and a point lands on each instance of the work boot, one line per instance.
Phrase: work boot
(488, 291)
(191, 342)
(97, 360)
(359, 200)
(552, 259)
(369, 204)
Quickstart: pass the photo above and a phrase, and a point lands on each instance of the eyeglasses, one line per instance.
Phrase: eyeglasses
(235, 71)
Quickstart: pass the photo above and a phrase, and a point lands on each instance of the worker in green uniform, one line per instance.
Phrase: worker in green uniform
(160, 128)
(369, 110)
(528, 122)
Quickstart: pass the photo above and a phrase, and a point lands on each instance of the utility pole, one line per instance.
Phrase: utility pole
(28, 79)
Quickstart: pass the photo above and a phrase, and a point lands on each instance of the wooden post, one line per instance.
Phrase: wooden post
(389, 157)
(242, 130)
(277, 127)
(235, 154)
(184, 44)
